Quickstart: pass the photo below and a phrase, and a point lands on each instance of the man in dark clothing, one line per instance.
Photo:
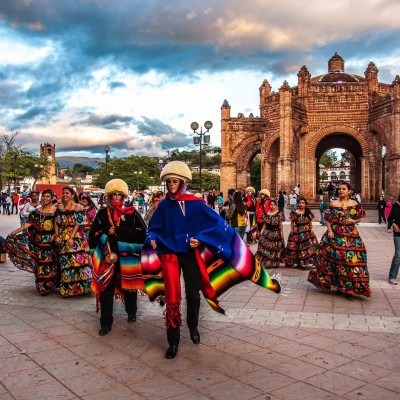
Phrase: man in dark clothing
(211, 199)
(394, 220)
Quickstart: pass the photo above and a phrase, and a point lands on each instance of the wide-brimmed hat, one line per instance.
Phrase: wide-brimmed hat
(116, 185)
(176, 169)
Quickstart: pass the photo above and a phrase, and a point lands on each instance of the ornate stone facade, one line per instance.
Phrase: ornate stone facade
(297, 125)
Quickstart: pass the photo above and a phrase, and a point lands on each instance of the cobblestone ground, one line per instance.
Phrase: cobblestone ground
(307, 345)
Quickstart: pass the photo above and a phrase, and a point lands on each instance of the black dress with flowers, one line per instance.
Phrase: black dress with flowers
(270, 245)
(34, 251)
(302, 245)
(75, 262)
(342, 262)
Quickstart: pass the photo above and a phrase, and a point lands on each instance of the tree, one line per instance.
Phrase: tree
(329, 159)
(17, 163)
(345, 157)
(208, 180)
(255, 173)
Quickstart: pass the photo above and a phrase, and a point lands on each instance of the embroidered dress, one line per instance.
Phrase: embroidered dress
(34, 252)
(90, 214)
(270, 245)
(302, 245)
(342, 262)
(76, 273)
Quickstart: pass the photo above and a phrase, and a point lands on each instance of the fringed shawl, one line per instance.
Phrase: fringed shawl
(227, 260)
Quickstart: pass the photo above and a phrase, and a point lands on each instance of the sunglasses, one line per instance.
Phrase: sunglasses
(117, 194)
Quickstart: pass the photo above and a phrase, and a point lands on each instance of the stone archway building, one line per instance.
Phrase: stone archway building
(298, 124)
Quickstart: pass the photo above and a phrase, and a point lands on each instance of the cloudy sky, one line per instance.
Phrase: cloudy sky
(134, 74)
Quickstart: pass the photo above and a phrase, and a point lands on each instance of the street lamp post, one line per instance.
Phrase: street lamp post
(203, 139)
(137, 174)
(107, 150)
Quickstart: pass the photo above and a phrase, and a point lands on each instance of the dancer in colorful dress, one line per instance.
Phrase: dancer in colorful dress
(186, 235)
(116, 239)
(302, 244)
(271, 244)
(90, 210)
(342, 262)
(34, 249)
(73, 248)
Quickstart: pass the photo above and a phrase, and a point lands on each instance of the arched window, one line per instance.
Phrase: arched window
(342, 175)
(333, 176)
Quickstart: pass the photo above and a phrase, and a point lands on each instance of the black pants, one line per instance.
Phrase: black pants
(107, 302)
(381, 215)
(191, 276)
(16, 209)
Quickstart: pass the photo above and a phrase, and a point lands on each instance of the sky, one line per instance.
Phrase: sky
(133, 75)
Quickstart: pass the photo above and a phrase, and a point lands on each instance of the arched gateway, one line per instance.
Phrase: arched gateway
(297, 125)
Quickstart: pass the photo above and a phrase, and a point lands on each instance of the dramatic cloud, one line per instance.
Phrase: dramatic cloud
(134, 74)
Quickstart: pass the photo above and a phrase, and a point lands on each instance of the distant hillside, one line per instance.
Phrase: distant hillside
(70, 161)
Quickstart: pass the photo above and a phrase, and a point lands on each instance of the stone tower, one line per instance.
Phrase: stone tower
(49, 151)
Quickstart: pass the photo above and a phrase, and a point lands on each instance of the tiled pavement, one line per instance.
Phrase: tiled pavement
(306, 345)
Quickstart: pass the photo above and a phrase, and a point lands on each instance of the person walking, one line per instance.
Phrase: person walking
(341, 265)
(271, 244)
(262, 207)
(388, 209)
(73, 248)
(394, 220)
(302, 244)
(381, 210)
(116, 239)
(31, 247)
(185, 235)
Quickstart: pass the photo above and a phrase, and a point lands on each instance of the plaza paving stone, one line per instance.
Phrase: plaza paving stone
(305, 345)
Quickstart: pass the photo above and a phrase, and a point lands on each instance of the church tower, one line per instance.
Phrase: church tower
(49, 151)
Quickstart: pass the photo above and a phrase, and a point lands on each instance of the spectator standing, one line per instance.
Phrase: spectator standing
(8, 204)
(323, 205)
(331, 190)
(250, 203)
(211, 199)
(297, 191)
(394, 220)
(381, 210)
(15, 201)
(292, 200)
(281, 202)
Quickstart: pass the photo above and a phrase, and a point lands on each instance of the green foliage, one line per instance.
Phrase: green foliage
(323, 176)
(329, 159)
(208, 181)
(255, 173)
(17, 164)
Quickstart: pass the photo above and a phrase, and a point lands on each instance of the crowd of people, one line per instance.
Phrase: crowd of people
(121, 246)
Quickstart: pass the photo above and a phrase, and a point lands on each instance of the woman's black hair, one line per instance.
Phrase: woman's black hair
(85, 196)
(237, 200)
(273, 201)
(307, 211)
(48, 191)
(72, 191)
(347, 184)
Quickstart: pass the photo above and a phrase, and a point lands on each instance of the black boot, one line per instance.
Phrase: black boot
(195, 336)
(172, 351)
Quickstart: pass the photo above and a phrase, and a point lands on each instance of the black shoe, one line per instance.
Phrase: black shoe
(104, 330)
(131, 317)
(195, 336)
(171, 352)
